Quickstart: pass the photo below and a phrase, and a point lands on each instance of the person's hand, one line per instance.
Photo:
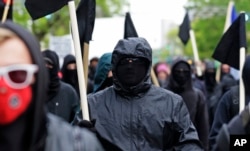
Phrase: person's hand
(90, 125)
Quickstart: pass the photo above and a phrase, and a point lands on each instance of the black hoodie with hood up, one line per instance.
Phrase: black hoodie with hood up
(42, 131)
(194, 99)
(141, 117)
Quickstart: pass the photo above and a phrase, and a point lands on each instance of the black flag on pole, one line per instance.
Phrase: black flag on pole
(228, 49)
(85, 13)
(129, 30)
(41, 8)
(184, 29)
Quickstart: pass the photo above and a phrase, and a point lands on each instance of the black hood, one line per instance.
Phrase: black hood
(70, 76)
(173, 85)
(52, 58)
(246, 75)
(132, 47)
(36, 111)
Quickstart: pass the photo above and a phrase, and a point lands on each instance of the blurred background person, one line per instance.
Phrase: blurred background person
(63, 100)
(180, 82)
(162, 73)
(69, 74)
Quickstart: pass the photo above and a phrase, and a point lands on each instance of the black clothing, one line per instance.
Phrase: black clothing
(70, 75)
(180, 82)
(238, 125)
(131, 71)
(65, 104)
(33, 130)
(51, 58)
(226, 83)
(141, 117)
(33, 120)
(63, 101)
(228, 106)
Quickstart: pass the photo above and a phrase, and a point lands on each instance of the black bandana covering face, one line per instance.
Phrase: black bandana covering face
(131, 71)
(181, 73)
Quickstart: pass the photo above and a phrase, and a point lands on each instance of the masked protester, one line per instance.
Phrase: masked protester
(69, 74)
(180, 82)
(25, 125)
(63, 100)
(228, 105)
(238, 125)
(103, 79)
(133, 114)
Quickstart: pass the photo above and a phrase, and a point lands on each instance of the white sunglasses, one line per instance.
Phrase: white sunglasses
(18, 76)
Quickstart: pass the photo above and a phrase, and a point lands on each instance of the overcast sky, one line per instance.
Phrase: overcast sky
(147, 15)
(172, 10)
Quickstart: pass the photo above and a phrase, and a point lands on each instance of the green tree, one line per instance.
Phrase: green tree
(58, 22)
(208, 20)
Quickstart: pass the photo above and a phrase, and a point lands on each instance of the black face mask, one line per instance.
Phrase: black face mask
(54, 83)
(71, 77)
(210, 80)
(181, 73)
(131, 71)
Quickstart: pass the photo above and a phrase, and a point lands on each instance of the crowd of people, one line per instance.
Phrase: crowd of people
(40, 108)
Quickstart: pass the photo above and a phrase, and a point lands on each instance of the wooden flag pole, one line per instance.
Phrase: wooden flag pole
(79, 62)
(226, 26)
(154, 78)
(195, 52)
(86, 62)
(6, 10)
(242, 88)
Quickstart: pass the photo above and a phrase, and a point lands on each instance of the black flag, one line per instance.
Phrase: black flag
(41, 8)
(85, 13)
(228, 49)
(184, 29)
(2, 6)
(129, 30)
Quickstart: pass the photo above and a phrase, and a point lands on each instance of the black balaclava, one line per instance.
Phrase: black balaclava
(70, 76)
(131, 71)
(127, 81)
(29, 131)
(52, 59)
(181, 73)
(209, 75)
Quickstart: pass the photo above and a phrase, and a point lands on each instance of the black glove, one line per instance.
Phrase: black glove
(90, 125)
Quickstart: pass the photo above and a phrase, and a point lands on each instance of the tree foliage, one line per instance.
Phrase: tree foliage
(58, 22)
(209, 26)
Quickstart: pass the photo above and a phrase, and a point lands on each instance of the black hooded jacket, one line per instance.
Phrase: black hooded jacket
(36, 113)
(141, 117)
(195, 101)
(228, 105)
(63, 100)
(35, 129)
